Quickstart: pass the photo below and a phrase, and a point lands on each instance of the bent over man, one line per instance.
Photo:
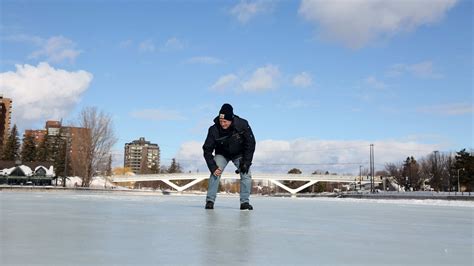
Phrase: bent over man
(230, 139)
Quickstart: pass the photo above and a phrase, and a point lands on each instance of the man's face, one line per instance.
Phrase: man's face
(225, 124)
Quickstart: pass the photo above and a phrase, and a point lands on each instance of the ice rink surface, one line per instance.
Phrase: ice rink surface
(57, 228)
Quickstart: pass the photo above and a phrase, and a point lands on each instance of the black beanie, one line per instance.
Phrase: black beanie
(227, 112)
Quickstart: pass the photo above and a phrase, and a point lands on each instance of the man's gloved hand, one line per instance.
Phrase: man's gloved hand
(244, 168)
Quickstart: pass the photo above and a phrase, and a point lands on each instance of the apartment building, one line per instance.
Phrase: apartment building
(142, 156)
(6, 105)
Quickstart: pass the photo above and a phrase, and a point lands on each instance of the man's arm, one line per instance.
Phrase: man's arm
(249, 145)
(208, 149)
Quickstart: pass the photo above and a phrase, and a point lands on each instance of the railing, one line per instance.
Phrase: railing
(273, 178)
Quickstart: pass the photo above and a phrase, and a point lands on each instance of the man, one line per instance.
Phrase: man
(231, 139)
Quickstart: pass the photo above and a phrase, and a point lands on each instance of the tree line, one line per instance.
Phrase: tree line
(51, 149)
(441, 171)
(437, 171)
(91, 156)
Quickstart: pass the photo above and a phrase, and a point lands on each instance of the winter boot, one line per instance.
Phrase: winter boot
(209, 205)
(246, 206)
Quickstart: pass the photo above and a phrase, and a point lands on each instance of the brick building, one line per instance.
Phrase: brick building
(38, 135)
(6, 105)
(142, 156)
(73, 136)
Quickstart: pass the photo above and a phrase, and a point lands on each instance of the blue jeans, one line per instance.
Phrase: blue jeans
(245, 180)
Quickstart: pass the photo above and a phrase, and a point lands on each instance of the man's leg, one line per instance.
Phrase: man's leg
(213, 183)
(245, 183)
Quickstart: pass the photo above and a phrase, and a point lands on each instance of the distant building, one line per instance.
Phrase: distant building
(38, 135)
(5, 118)
(53, 128)
(29, 173)
(142, 156)
(73, 136)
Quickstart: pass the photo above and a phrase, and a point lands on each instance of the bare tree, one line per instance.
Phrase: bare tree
(94, 143)
(447, 165)
(395, 171)
(435, 167)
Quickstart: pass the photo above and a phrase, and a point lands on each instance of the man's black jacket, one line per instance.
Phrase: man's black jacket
(237, 141)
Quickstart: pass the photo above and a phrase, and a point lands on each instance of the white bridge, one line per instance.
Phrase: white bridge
(273, 178)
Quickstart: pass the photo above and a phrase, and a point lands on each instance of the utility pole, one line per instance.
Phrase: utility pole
(436, 172)
(360, 177)
(65, 161)
(372, 181)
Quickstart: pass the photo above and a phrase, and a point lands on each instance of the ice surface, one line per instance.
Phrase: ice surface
(126, 228)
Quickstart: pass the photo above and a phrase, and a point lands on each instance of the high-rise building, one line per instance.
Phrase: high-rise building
(142, 156)
(53, 128)
(73, 135)
(5, 118)
(38, 135)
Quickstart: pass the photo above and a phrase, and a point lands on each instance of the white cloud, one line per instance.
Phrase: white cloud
(53, 50)
(174, 44)
(374, 83)
(42, 92)
(423, 69)
(225, 82)
(57, 49)
(371, 88)
(146, 46)
(125, 44)
(262, 79)
(355, 23)
(207, 60)
(339, 156)
(25, 39)
(303, 80)
(190, 156)
(157, 115)
(298, 104)
(244, 11)
(453, 109)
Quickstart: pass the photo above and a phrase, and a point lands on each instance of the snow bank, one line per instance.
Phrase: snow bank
(97, 182)
(431, 202)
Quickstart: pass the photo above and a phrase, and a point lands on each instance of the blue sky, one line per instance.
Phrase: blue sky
(318, 80)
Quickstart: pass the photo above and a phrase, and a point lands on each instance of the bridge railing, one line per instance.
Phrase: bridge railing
(273, 178)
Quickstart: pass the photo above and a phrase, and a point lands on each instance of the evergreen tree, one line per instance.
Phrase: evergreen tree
(28, 150)
(59, 159)
(411, 172)
(12, 146)
(295, 171)
(174, 167)
(295, 184)
(42, 151)
(464, 165)
(54, 145)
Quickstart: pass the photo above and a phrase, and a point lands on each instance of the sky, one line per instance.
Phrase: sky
(318, 81)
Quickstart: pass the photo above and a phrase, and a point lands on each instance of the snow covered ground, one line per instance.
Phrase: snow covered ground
(97, 182)
(84, 227)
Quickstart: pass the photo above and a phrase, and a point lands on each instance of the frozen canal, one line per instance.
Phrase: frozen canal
(69, 227)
